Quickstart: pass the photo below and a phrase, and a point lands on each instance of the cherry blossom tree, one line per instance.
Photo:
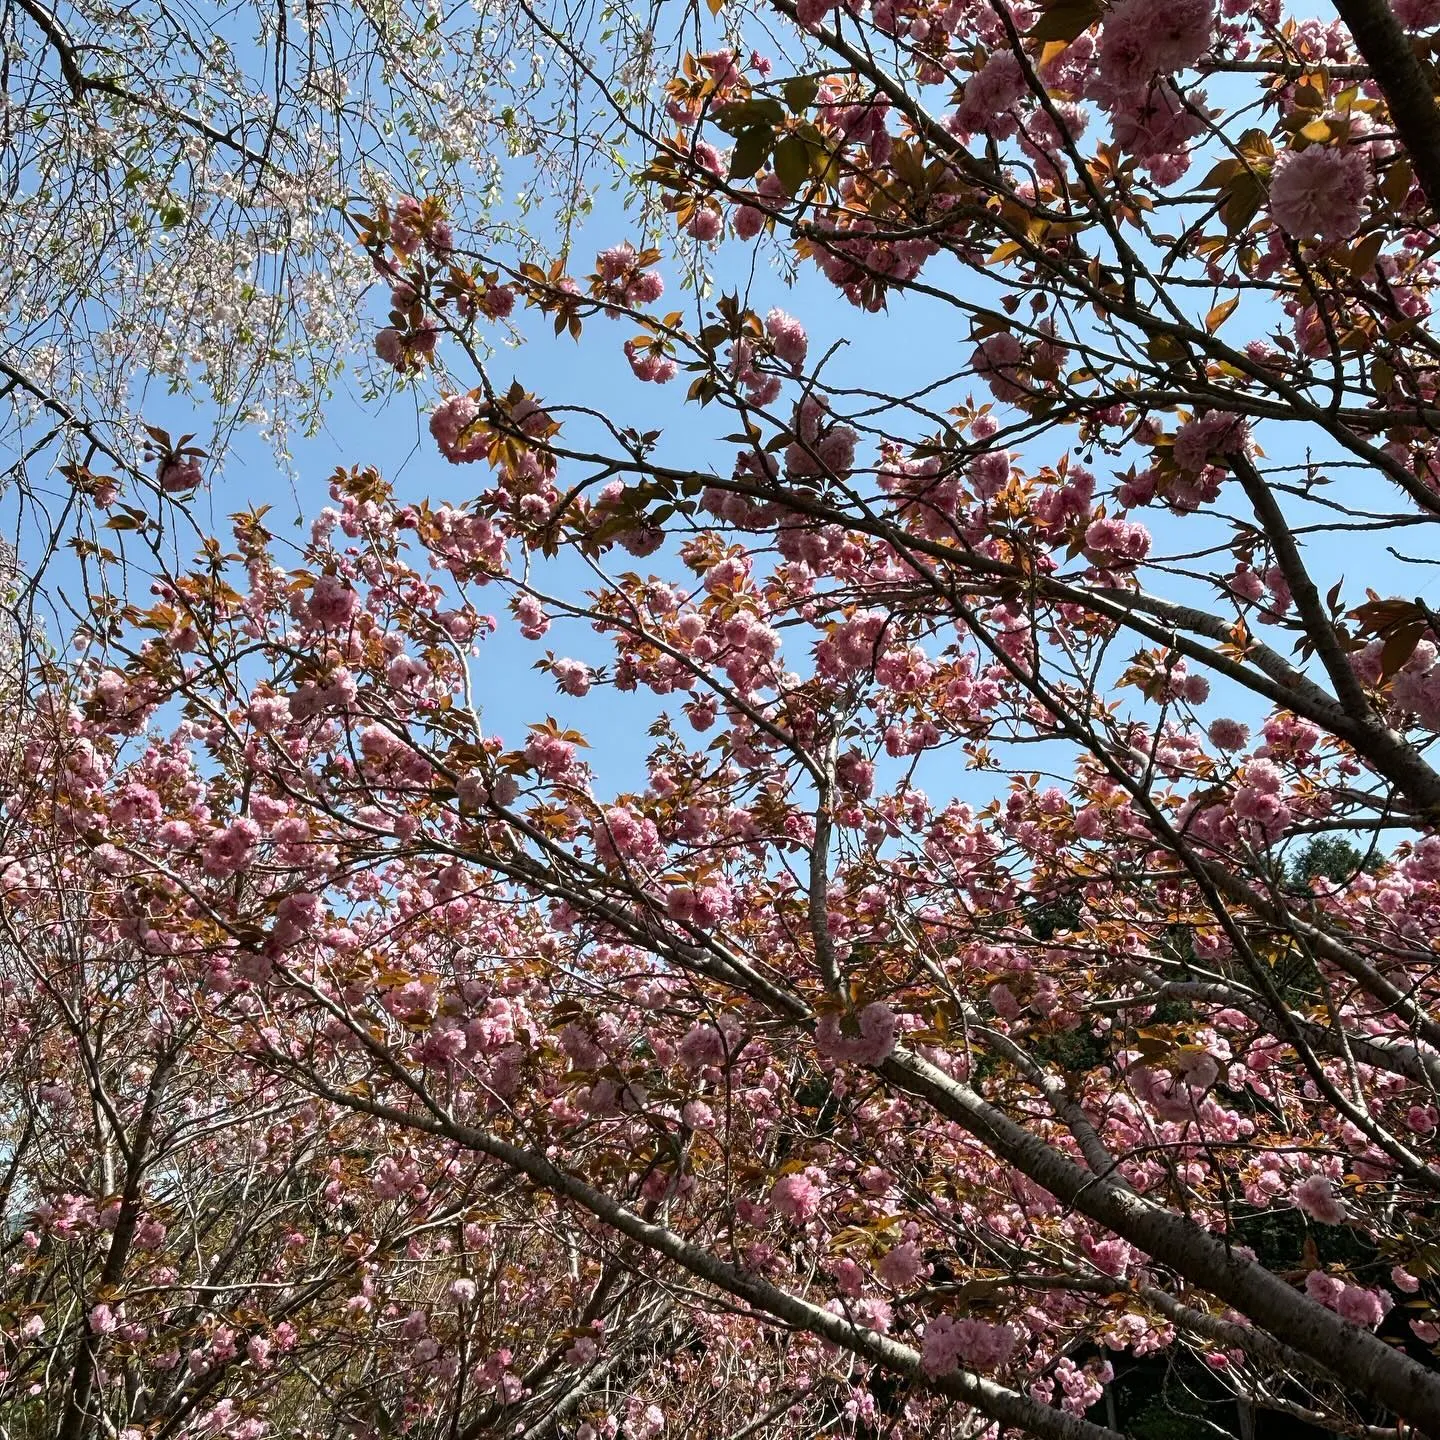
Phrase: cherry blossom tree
(971, 997)
(203, 1248)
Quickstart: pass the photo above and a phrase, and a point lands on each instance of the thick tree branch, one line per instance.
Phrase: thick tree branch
(1407, 84)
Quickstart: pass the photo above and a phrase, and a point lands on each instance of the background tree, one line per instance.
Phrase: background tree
(179, 184)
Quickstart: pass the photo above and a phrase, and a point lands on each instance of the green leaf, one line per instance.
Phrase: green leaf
(746, 114)
(800, 92)
(750, 152)
(792, 163)
(1244, 196)
(1065, 19)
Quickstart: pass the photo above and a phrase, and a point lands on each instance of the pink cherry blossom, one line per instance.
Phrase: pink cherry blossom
(1319, 193)
(1316, 1196)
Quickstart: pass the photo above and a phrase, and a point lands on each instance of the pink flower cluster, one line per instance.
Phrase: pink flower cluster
(332, 603)
(797, 1196)
(1156, 127)
(876, 1039)
(469, 546)
(649, 361)
(787, 338)
(450, 425)
(1366, 1308)
(622, 278)
(180, 474)
(706, 1046)
(1080, 1386)
(761, 388)
(410, 226)
(231, 849)
(534, 622)
(574, 677)
(625, 836)
(999, 360)
(948, 1344)
(408, 348)
(1115, 544)
(853, 645)
(1141, 40)
(902, 1265)
(1215, 434)
(1416, 689)
(1319, 193)
(552, 757)
(1259, 802)
(1228, 734)
(821, 446)
(1316, 1196)
(706, 905)
(987, 102)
